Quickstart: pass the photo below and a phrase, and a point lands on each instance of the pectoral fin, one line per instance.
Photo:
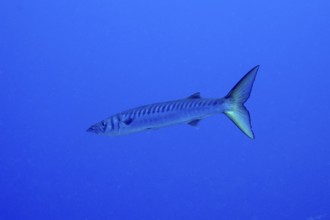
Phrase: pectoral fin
(126, 122)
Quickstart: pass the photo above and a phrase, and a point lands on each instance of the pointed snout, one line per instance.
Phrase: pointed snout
(93, 129)
(90, 129)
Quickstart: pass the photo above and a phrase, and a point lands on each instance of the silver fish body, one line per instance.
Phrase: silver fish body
(183, 111)
(159, 115)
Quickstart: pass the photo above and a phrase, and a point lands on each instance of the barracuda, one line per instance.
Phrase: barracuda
(189, 110)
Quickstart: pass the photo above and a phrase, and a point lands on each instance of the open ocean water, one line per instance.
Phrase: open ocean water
(67, 64)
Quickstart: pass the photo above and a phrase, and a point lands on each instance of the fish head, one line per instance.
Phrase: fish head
(98, 128)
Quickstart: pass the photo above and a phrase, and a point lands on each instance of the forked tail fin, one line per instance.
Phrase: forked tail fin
(236, 98)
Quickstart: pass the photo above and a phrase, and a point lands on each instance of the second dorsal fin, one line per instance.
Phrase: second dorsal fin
(196, 95)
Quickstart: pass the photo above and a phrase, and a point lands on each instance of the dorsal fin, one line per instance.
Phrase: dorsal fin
(194, 123)
(196, 95)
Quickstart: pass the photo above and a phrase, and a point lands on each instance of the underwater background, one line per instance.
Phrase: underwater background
(67, 64)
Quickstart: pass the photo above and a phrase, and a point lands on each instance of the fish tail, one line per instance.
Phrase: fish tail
(236, 98)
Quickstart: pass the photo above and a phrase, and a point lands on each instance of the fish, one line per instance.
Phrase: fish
(190, 110)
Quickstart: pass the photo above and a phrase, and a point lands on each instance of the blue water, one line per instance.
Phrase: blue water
(67, 64)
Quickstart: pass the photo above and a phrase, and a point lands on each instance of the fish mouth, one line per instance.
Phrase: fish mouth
(93, 129)
(90, 129)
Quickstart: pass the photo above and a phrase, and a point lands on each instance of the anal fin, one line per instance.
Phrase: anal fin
(194, 123)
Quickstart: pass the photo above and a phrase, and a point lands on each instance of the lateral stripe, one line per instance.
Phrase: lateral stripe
(131, 114)
(143, 111)
(170, 107)
(176, 105)
(162, 108)
(112, 124)
(181, 105)
(191, 104)
(153, 109)
(148, 110)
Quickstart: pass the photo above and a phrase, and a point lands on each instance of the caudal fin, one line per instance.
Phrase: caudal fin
(236, 98)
